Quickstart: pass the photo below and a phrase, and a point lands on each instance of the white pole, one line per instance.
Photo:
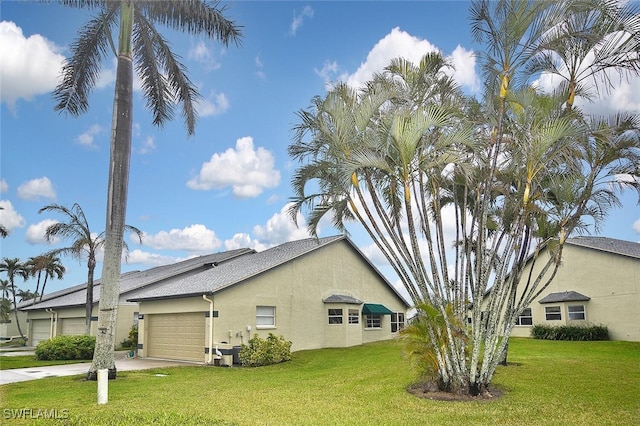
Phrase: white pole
(103, 386)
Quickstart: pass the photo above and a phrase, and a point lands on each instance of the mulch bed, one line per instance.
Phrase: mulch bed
(424, 390)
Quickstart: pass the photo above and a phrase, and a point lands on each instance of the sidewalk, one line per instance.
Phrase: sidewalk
(122, 364)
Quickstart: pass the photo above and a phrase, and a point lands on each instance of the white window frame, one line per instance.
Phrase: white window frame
(354, 316)
(397, 321)
(557, 311)
(373, 322)
(265, 317)
(526, 314)
(335, 316)
(581, 312)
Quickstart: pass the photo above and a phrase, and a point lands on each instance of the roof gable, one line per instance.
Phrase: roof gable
(564, 296)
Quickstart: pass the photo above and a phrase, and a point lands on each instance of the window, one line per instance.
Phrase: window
(576, 312)
(265, 316)
(552, 313)
(335, 316)
(354, 316)
(525, 318)
(397, 321)
(373, 321)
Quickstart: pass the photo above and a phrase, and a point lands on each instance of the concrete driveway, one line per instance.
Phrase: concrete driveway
(122, 364)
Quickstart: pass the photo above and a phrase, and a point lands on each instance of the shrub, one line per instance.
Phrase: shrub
(66, 347)
(271, 350)
(131, 342)
(570, 332)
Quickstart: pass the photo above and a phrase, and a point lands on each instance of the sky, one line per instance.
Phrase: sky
(227, 186)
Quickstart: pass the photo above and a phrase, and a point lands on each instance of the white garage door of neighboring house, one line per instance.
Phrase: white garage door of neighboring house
(72, 326)
(40, 330)
(176, 336)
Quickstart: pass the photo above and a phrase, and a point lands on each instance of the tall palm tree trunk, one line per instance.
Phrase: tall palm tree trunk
(116, 201)
(15, 309)
(88, 306)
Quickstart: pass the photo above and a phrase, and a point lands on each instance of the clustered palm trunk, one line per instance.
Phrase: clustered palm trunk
(410, 158)
(164, 83)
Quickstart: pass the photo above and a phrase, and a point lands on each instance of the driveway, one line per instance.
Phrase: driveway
(122, 364)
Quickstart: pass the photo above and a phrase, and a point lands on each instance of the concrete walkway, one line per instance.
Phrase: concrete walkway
(122, 364)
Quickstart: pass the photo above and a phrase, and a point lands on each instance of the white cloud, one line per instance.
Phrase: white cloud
(138, 256)
(215, 104)
(280, 228)
(328, 72)
(4, 186)
(194, 238)
(636, 226)
(35, 233)
(86, 139)
(36, 189)
(464, 62)
(259, 65)
(30, 65)
(396, 44)
(243, 240)
(9, 218)
(247, 170)
(299, 18)
(148, 145)
(201, 53)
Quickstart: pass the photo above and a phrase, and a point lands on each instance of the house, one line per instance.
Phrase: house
(63, 312)
(8, 326)
(597, 283)
(316, 293)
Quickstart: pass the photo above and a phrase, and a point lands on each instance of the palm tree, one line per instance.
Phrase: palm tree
(14, 267)
(50, 265)
(164, 83)
(26, 295)
(83, 243)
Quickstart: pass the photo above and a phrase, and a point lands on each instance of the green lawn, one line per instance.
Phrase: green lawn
(550, 383)
(26, 361)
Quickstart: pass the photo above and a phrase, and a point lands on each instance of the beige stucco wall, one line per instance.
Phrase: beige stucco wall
(611, 281)
(10, 329)
(297, 290)
(125, 319)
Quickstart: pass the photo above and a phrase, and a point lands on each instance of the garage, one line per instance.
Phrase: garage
(72, 326)
(176, 336)
(40, 330)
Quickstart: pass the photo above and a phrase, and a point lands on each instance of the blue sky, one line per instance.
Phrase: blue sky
(227, 186)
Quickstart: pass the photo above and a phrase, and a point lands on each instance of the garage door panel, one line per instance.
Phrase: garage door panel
(72, 326)
(40, 330)
(176, 336)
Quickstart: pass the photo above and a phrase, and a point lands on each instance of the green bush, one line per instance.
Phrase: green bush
(66, 347)
(570, 332)
(131, 342)
(271, 350)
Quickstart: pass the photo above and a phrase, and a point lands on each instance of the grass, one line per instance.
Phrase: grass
(549, 383)
(26, 361)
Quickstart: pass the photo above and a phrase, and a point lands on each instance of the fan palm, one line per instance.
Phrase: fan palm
(164, 83)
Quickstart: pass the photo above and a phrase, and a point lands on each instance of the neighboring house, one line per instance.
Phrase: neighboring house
(597, 283)
(8, 326)
(63, 312)
(316, 293)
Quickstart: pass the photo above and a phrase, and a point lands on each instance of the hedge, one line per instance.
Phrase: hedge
(570, 332)
(66, 347)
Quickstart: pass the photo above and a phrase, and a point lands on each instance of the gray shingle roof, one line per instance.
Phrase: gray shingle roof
(564, 296)
(341, 298)
(232, 272)
(611, 245)
(129, 281)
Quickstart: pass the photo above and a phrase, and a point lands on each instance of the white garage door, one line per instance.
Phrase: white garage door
(40, 330)
(176, 336)
(72, 326)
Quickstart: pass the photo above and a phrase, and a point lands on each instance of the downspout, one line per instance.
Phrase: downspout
(54, 317)
(209, 358)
